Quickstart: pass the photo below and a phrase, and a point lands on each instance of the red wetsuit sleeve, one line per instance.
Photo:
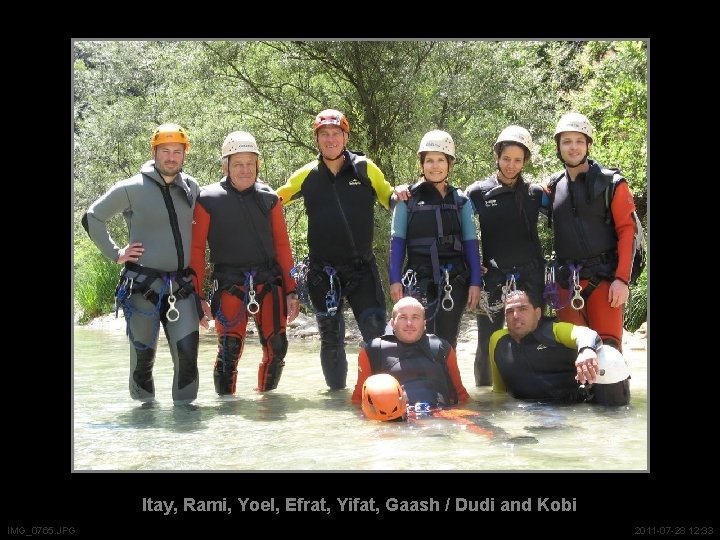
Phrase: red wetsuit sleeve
(622, 207)
(462, 393)
(363, 374)
(281, 242)
(200, 228)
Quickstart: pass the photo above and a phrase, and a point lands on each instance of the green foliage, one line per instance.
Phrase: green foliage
(636, 308)
(392, 92)
(96, 277)
(615, 100)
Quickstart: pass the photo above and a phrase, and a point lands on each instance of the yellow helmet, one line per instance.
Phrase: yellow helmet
(170, 133)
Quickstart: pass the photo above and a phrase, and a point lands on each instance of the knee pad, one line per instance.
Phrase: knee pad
(329, 327)
(278, 345)
(187, 349)
(615, 394)
(142, 374)
(225, 372)
(372, 323)
(229, 350)
(269, 372)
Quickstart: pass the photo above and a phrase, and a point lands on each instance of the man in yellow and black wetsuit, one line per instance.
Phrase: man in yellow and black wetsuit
(339, 190)
(535, 358)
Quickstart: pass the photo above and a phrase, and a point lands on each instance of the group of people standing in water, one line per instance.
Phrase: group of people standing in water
(438, 268)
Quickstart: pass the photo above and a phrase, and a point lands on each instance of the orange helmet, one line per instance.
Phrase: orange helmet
(383, 398)
(331, 117)
(170, 133)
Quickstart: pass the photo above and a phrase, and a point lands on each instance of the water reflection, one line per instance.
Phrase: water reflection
(304, 426)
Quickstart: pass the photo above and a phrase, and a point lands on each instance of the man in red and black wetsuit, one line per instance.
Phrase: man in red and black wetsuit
(594, 243)
(241, 220)
(424, 364)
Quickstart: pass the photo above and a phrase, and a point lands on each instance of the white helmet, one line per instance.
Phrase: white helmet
(239, 141)
(574, 122)
(612, 364)
(516, 134)
(437, 141)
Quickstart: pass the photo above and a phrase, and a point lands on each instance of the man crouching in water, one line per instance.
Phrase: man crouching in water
(424, 364)
(538, 359)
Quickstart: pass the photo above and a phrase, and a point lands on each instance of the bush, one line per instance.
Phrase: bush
(636, 308)
(96, 277)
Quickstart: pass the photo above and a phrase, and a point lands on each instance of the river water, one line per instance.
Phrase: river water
(302, 426)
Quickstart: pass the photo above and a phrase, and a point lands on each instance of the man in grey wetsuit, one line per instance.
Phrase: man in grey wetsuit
(155, 284)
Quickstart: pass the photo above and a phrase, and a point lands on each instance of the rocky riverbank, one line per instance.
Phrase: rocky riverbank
(305, 327)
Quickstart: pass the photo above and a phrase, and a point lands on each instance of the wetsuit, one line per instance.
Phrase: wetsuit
(247, 236)
(508, 218)
(584, 235)
(427, 369)
(542, 365)
(160, 216)
(340, 211)
(437, 233)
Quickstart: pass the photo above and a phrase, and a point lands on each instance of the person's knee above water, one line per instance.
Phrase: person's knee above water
(239, 218)
(424, 364)
(339, 190)
(508, 208)
(538, 359)
(435, 232)
(155, 286)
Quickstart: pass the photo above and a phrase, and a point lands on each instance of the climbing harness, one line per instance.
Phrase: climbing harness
(123, 293)
(409, 282)
(331, 297)
(483, 307)
(299, 273)
(510, 282)
(551, 293)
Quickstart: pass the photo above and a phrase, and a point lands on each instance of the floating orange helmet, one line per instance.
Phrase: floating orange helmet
(383, 398)
(170, 133)
(331, 117)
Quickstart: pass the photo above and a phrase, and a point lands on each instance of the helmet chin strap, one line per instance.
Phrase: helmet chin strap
(342, 152)
(583, 160)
